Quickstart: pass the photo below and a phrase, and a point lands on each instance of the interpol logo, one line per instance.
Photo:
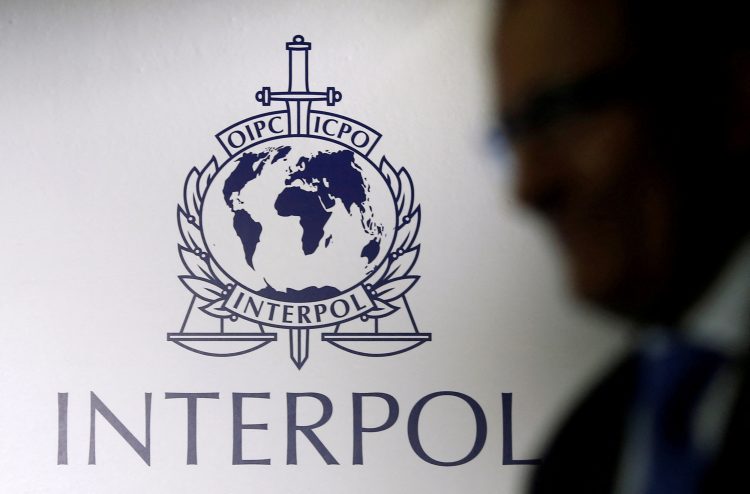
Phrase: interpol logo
(299, 229)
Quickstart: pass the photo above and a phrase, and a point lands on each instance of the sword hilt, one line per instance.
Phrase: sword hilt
(298, 89)
(298, 49)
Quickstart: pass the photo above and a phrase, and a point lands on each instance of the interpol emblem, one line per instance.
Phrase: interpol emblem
(299, 229)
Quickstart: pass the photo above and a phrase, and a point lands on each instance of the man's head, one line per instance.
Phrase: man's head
(631, 125)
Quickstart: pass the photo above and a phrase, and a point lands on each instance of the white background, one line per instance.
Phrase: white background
(104, 108)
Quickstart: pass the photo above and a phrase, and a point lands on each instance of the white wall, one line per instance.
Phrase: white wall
(104, 108)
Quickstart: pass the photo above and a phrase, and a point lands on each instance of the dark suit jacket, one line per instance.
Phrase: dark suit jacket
(584, 455)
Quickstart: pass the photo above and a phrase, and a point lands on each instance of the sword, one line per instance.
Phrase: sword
(298, 97)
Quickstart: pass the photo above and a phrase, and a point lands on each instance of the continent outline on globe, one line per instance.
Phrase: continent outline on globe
(322, 184)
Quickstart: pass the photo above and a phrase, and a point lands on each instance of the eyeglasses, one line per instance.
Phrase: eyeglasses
(555, 105)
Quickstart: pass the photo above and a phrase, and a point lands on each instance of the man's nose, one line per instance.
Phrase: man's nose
(540, 180)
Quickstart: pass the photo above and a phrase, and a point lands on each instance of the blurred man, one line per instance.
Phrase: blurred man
(630, 122)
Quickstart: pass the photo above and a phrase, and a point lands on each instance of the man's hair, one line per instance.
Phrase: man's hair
(694, 58)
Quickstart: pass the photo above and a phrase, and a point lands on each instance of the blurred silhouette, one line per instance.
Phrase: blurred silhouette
(630, 123)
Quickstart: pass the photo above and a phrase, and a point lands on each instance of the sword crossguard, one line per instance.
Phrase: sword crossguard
(331, 96)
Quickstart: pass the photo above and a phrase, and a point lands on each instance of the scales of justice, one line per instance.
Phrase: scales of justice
(216, 326)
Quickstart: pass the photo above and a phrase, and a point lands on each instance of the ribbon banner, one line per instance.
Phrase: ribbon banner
(329, 126)
(330, 312)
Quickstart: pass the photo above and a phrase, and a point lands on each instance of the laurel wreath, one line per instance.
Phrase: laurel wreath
(211, 285)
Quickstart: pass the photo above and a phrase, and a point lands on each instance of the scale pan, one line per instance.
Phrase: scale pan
(376, 344)
(221, 344)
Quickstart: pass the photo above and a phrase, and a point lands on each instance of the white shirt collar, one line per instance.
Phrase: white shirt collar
(721, 317)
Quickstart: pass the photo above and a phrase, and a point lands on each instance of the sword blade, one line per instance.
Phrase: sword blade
(293, 113)
(299, 344)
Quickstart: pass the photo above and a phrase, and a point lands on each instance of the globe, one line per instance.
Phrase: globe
(301, 220)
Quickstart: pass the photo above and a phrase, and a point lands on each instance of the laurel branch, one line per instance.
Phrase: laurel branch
(211, 285)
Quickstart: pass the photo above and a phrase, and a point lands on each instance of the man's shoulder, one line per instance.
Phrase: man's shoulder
(584, 454)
